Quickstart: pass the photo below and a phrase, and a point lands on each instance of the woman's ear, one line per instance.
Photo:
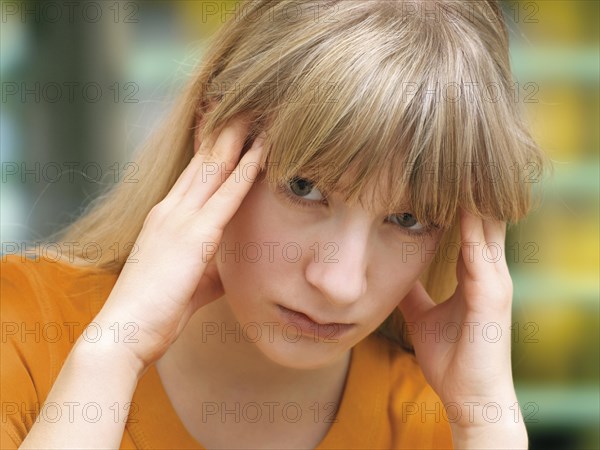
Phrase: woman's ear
(199, 125)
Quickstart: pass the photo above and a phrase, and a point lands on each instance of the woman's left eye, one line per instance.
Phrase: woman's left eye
(408, 222)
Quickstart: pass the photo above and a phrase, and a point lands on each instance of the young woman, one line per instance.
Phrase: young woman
(331, 191)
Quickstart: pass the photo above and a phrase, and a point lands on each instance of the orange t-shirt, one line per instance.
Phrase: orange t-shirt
(46, 305)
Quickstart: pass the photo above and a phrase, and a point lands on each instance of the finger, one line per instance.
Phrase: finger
(240, 123)
(187, 176)
(495, 232)
(415, 303)
(223, 204)
(220, 161)
(495, 236)
(472, 243)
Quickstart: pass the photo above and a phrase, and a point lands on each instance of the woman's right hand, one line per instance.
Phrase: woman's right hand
(171, 275)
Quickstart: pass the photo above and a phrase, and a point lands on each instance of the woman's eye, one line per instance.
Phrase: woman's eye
(408, 222)
(305, 188)
(301, 191)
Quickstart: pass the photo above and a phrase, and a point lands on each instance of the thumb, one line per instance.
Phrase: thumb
(210, 287)
(415, 303)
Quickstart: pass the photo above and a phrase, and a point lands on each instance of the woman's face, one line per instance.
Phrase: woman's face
(332, 261)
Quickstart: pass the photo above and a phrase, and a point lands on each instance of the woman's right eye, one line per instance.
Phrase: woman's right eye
(302, 191)
(303, 187)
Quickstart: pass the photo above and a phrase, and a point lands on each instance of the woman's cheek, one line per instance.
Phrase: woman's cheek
(394, 275)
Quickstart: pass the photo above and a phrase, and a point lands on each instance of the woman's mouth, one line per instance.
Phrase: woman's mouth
(308, 327)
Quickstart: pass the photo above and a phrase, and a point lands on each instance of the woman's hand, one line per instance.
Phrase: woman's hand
(172, 275)
(463, 344)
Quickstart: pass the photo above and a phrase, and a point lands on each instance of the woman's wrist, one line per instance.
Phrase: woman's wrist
(505, 435)
(97, 347)
(98, 373)
(483, 424)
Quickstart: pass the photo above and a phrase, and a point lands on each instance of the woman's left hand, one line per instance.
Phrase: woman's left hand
(463, 344)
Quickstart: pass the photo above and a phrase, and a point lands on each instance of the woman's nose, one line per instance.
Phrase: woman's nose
(340, 269)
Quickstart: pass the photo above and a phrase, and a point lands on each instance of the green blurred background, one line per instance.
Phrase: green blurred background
(107, 72)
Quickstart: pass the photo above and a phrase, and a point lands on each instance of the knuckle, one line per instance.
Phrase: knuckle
(157, 214)
(204, 227)
(228, 188)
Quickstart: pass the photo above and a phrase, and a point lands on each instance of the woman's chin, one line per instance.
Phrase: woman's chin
(304, 354)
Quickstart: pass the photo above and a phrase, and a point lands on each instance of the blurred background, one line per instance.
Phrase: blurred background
(83, 84)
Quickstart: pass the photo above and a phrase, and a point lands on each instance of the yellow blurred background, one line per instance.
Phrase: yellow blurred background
(56, 58)
(556, 355)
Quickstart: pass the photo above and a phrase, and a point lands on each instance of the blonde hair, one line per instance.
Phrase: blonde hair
(418, 106)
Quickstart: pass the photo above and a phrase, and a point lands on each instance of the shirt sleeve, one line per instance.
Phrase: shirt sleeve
(18, 398)
(24, 355)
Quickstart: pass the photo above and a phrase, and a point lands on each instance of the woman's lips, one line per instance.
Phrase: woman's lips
(329, 332)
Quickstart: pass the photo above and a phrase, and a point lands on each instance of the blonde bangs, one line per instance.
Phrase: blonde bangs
(408, 115)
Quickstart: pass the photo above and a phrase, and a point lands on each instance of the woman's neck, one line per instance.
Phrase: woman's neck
(211, 381)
